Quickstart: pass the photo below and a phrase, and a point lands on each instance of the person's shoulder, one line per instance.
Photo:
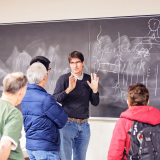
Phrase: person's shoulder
(18, 115)
(86, 76)
(124, 123)
(9, 108)
(49, 99)
(14, 114)
(4, 105)
(64, 76)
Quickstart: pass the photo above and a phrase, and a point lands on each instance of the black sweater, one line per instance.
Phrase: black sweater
(76, 103)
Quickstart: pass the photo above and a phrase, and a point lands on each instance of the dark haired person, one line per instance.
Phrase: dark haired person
(11, 120)
(74, 90)
(138, 100)
(45, 61)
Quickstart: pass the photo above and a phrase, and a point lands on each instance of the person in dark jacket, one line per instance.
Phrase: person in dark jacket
(138, 100)
(42, 116)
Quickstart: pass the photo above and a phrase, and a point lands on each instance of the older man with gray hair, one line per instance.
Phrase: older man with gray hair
(14, 89)
(43, 116)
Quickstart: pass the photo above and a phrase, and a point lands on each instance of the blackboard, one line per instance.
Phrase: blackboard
(121, 50)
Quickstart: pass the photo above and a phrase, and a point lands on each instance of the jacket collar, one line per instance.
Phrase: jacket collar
(36, 87)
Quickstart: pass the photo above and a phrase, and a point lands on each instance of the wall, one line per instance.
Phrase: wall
(42, 10)
(101, 133)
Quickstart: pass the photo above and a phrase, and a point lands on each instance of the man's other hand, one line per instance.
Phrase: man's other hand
(72, 84)
(94, 82)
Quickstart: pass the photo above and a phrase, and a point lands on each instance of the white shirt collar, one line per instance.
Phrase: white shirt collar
(79, 78)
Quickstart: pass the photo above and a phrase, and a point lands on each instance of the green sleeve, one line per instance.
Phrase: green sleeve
(13, 126)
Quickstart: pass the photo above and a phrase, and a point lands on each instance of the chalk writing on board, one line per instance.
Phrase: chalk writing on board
(20, 62)
(128, 57)
(156, 74)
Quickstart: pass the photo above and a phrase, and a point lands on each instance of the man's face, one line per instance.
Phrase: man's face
(76, 65)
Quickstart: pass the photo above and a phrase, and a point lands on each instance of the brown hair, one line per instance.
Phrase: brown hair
(13, 82)
(138, 95)
(75, 54)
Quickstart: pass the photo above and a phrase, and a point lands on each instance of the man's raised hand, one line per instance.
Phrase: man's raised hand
(94, 82)
(72, 84)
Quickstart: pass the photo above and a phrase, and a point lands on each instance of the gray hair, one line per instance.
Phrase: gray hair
(13, 82)
(36, 72)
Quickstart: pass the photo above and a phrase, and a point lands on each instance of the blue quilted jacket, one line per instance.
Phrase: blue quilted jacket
(42, 117)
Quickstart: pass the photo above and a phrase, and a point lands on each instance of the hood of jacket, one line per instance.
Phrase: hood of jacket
(145, 114)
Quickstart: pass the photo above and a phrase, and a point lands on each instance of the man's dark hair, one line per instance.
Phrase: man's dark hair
(75, 54)
(45, 61)
(138, 95)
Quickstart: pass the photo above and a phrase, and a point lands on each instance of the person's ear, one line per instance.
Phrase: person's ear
(45, 77)
(82, 63)
(19, 97)
(128, 103)
(21, 93)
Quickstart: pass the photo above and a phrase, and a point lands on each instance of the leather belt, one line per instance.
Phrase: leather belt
(78, 120)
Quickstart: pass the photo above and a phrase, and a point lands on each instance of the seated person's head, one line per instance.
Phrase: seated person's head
(138, 95)
(15, 85)
(37, 74)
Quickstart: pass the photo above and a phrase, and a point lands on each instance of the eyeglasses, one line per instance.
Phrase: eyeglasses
(78, 62)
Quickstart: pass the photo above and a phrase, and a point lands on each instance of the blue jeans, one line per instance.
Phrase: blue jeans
(74, 136)
(43, 155)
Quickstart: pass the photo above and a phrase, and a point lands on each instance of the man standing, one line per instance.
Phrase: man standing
(42, 115)
(74, 91)
(14, 89)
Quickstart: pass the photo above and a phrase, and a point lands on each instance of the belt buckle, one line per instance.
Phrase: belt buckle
(78, 121)
(81, 121)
